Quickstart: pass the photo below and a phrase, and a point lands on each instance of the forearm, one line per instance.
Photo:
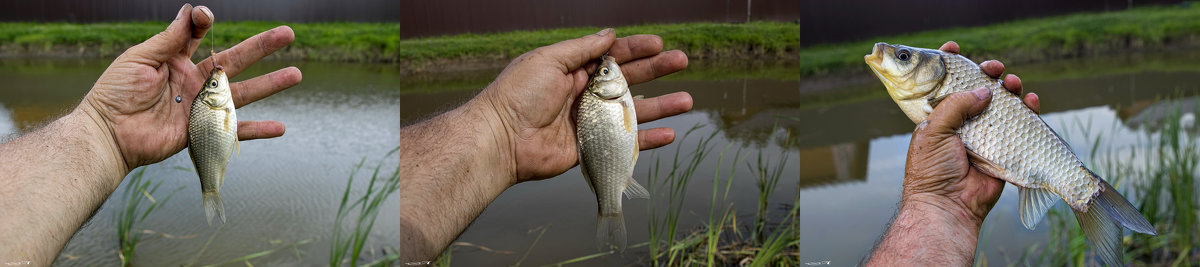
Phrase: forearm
(925, 233)
(452, 167)
(51, 181)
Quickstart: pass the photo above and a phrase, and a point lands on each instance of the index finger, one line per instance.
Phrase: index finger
(950, 47)
(236, 59)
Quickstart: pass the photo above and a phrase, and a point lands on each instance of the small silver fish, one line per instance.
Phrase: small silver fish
(606, 129)
(1010, 142)
(212, 139)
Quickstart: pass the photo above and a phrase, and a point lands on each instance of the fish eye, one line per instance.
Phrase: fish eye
(903, 54)
(603, 71)
(212, 84)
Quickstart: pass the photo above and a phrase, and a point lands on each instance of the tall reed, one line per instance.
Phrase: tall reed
(379, 188)
(130, 217)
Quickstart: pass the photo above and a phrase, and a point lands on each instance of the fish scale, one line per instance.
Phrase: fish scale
(1010, 142)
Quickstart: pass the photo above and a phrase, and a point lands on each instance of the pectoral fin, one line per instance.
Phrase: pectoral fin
(231, 125)
(933, 102)
(984, 165)
(227, 117)
(630, 118)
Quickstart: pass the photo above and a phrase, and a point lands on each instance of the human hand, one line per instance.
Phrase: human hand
(534, 95)
(135, 97)
(937, 166)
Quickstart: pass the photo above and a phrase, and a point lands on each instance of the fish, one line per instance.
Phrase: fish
(212, 139)
(606, 133)
(1010, 142)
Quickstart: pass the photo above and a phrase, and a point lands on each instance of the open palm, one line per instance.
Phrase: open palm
(535, 93)
(136, 95)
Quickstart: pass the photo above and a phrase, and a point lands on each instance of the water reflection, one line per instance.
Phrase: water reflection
(7, 125)
(834, 164)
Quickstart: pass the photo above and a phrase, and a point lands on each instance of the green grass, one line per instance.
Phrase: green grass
(381, 42)
(1033, 39)
(1017, 41)
(379, 189)
(130, 228)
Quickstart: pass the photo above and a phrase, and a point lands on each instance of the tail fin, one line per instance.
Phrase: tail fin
(610, 232)
(1121, 210)
(213, 206)
(1103, 234)
(1102, 223)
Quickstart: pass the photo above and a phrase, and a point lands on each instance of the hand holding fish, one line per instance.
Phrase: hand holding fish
(129, 118)
(534, 95)
(518, 129)
(945, 199)
(135, 95)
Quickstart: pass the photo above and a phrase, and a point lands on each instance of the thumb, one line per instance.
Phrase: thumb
(169, 42)
(574, 53)
(957, 108)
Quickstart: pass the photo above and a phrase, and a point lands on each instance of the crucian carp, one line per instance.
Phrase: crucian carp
(1010, 142)
(606, 130)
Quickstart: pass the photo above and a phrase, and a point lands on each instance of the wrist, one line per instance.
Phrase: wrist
(497, 134)
(943, 208)
(97, 133)
(923, 235)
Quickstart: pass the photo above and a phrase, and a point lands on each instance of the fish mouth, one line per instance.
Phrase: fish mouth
(876, 56)
(875, 60)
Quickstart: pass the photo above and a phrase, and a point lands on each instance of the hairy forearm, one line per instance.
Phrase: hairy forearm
(925, 233)
(452, 167)
(51, 181)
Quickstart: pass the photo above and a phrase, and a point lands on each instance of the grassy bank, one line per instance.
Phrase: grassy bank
(1033, 40)
(1043, 39)
(381, 42)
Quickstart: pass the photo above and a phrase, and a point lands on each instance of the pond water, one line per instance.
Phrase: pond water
(844, 167)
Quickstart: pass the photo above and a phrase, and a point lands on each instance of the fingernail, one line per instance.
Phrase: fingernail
(179, 14)
(208, 12)
(982, 93)
(605, 31)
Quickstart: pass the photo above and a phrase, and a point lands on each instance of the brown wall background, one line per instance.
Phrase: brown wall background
(821, 21)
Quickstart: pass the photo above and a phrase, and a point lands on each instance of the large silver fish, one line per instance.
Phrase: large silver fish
(212, 139)
(1010, 142)
(606, 127)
